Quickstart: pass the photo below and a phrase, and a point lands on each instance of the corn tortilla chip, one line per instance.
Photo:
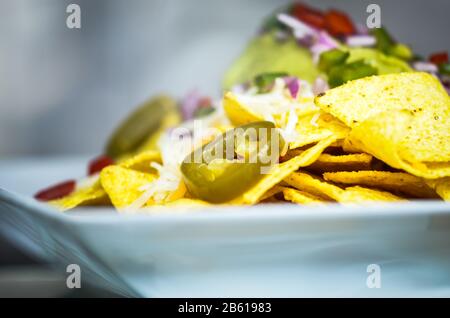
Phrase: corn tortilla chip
(348, 146)
(359, 194)
(86, 195)
(245, 109)
(318, 187)
(237, 113)
(314, 185)
(383, 136)
(317, 126)
(409, 111)
(441, 186)
(391, 181)
(123, 185)
(331, 163)
(141, 161)
(300, 197)
(271, 192)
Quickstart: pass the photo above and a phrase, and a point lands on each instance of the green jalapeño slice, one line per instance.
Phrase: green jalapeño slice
(232, 163)
(140, 125)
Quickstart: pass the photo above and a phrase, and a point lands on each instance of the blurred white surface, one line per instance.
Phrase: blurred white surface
(62, 91)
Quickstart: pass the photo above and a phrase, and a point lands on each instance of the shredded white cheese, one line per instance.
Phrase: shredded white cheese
(315, 119)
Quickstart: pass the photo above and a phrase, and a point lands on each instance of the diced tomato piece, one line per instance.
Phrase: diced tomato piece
(97, 164)
(308, 15)
(439, 58)
(338, 23)
(57, 191)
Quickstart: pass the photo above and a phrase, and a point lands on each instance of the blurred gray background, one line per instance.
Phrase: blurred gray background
(62, 91)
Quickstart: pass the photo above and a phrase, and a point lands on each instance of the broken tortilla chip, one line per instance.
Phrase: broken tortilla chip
(314, 185)
(237, 113)
(242, 109)
(271, 192)
(317, 126)
(349, 147)
(359, 194)
(441, 186)
(123, 185)
(391, 181)
(300, 197)
(331, 163)
(318, 187)
(92, 194)
(141, 161)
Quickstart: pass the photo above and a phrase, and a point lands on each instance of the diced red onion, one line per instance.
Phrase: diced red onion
(320, 86)
(189, 104)
(317, 41)
(293, 85)
(326, 39)
(324, 42)
(306, 41)
(361, 40)
(425, 67)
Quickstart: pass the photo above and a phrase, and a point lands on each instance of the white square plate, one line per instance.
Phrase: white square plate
(262, 251)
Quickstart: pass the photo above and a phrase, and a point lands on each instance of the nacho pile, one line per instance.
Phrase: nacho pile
(379, 138)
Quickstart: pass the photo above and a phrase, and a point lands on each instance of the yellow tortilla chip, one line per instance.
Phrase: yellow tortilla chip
(237, 113)
(317, 126)
(123, 185)
(338, 144)
(300, 197)
(349, 147)
(94, 194)
(316, 186)
(402, 119)
(281, 171)
(86, 195)
(384, 137)
(245, 109)
(141, 161)
(359, 194)
(331, 163)
(391, 181)
(441, 186)
(271, 192)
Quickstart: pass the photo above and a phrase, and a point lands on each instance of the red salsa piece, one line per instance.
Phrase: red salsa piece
(97, 164)
(338, 23)
(308, 15)
(439, 58)
(57, 191)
